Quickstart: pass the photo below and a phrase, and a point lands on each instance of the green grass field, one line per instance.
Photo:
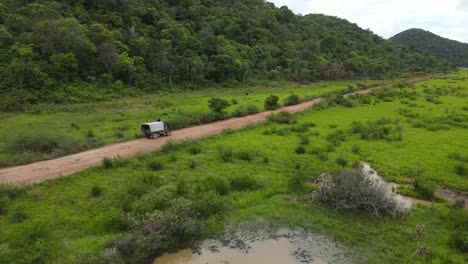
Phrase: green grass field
(415, 133)
(66, 129)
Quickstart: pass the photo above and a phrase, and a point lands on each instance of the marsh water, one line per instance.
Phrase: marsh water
(281, 247)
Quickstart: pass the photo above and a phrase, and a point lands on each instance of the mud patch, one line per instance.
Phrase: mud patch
(265, 245)
(452, 196)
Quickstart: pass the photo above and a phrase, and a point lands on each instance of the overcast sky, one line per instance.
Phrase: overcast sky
(447, 18)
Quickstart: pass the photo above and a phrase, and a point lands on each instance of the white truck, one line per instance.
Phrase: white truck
(155, 129)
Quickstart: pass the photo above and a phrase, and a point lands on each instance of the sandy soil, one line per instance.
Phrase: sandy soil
(50, 169)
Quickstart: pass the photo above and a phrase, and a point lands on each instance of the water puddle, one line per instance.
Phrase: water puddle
(406, 202)
(281, 247)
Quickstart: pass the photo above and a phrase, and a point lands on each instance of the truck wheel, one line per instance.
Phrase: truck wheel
(168, 133)
(155, 135)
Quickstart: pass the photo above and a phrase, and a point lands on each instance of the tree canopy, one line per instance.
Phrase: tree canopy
(47, 45)
(452, 51)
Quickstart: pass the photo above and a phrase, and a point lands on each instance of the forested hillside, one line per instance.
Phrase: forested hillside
(452, 51)
(72, 51)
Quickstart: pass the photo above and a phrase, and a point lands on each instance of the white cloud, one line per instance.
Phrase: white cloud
(447, 18)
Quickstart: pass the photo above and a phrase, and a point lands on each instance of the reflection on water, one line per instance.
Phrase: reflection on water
(282, 247)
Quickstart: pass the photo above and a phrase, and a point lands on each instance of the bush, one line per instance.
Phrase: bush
(342, 161)
(304, 140)
(96, 191)
(424, 189)
(155, 165)
(195, 149)
(460, 169)
(245, 155)
(208, 203)
(354, 190)
(296, 183)
(239, 112)
(108, 163)
(300, 150)
(217, 105)
(18, 215)
(252, 109)
(271, 102)
(282, 117)
(292, 100)
(156, 199)
(219, 185)
(241, 183)
(224, 153)
(336, 137)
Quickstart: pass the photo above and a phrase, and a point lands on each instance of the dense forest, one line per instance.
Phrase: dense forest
(69, 50)
(452, 51)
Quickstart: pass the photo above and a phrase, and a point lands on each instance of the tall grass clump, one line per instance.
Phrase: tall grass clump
(292, 100)
(271, 102)
(282, 117)
(357, 191)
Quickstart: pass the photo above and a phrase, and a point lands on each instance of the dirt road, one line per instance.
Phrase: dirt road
(50, 169)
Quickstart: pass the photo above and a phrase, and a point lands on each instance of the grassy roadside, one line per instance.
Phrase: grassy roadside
(50, 131)
(192, 189)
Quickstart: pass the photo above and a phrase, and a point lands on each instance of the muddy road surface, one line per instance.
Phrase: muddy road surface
(50, 169)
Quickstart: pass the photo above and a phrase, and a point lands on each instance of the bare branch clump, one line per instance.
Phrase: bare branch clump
(357, 190)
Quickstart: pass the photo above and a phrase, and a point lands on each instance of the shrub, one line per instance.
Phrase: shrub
(459, 240)
(296, 183)
(252, 109)
(304, 140)
(355, 190)
(224, 153)
(156, 199)
(300, 150)
(241, 183)
(234, 101)
(292, 100)
(245, 155)
(460, 169)
(219, 185)
(173, 145)
(282, 118)
(208, 203)
(356, 149)
(96, 191)
(454, 155)
(342, 161)
(424, 189)
(217, 105)
(195, 149)
(18, 215)
(271, 102)
(336, 137)
(155, 165)
(108, 163)
(239, 112)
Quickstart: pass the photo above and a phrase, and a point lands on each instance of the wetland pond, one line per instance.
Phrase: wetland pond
(282, 246)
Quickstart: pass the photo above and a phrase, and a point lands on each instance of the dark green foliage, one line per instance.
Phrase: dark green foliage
(424, 189)
(87, 51)
(342, 161)
(450, 50)
(220, 185)
(296, 183)
(108, 163)
(225, 153)
(336, 138)
(271, 102)
(217, 105)
(291, 100)
(304, 140)
(245, 155)
(380, 129)
(18, 214)
(195, 149)
(155, 165)
(300, 150)
(243, 183)
(282, 117)
(96, 191)
(460, 169)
